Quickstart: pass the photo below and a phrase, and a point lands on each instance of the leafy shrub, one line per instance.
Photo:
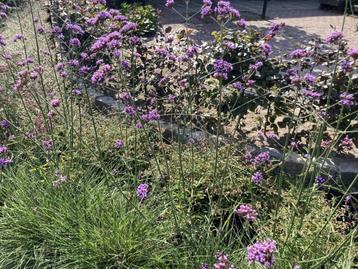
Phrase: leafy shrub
(277, 86)
(145, 16)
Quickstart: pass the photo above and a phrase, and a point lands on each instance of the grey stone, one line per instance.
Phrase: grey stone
(274, 153)
(294, 163)
(104, 102)
(326, 164)
(93, 94)
(348, 171)
(172, 132)
(346, 166)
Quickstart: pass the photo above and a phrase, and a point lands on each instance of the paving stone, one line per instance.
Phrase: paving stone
(304, 20)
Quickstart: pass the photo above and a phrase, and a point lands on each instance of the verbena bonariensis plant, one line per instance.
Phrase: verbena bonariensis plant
(281, 87)
(83, 190)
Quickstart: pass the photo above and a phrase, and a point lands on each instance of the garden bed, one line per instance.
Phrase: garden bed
(263, 122)
(214, 155)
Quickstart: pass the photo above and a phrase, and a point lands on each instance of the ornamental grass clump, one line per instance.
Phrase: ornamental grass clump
(119, 152)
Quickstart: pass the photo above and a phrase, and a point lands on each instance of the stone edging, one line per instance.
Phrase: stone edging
(344, 171)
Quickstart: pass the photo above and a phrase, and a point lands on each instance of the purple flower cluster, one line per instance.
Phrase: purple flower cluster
(84, 70)
(2, 40)
(128, 26)
(55, 102)
(246, 211)
(75, 28)
(346, 143)
(262, 252)
(172, 98)
(119, 144)
(273, 30)
(57, 32)
(47, 144)
(346, 66)
(30, 135)
(334, 36)
(135, 40)
(152, 115)
(192, 51)
(262, 158)
(320, 180)
(60, 68)
(97, 2)
(34, 74)
(125, 64)
(75, 42)
(4, 7)
(100, 74)
(266, 49)
(51, 114)
(111, 41)
(73, 63)
(295, 79)
(4, 162)
(169, 3)
(5, 124)
(99, 17)
(224, 8)
(238, 86)
(3, 15)
(326, 143)
(3, 11)
(353, 52)
(142, 191)
(312, 94)
(250, 83)
(18, 37)
(222, 261)
(256, 66)
(124, 96)
(76, 92)
(163, 52)
(300, 53)
(60, 179)
(3, 149)
(230, 45)
(295, 144)
(257, 177)
(206, 8)
(309, 78)
(129, 110)
(271, 135)
(222, 68)
(346, 99)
